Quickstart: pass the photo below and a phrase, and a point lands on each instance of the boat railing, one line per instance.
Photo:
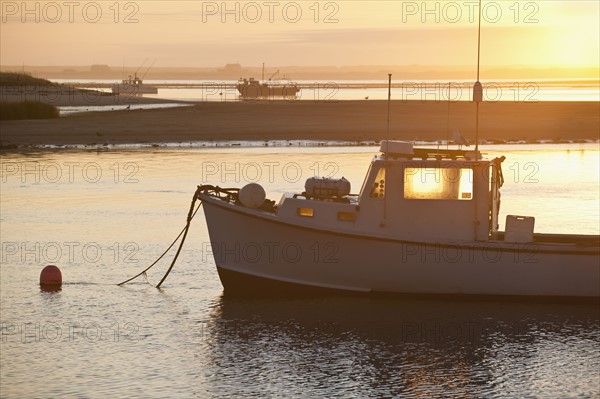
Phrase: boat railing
(564, 239)
(437, 154)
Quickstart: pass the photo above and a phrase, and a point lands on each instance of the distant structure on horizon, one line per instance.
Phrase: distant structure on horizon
(231, 68)
(100, 68)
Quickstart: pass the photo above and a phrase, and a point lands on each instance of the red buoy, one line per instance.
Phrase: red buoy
(50, 277)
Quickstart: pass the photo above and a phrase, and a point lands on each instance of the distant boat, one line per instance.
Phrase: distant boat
(133, 86)
(252, 88)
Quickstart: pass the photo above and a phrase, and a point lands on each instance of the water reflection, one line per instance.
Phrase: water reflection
(188, 340)
(342, 347)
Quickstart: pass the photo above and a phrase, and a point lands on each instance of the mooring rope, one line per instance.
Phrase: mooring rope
(190, 216)
(185, 231)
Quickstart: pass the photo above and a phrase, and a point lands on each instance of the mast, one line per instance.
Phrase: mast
(147, 70)
(384, 220)
(389, 101)
(448, 117)
(478, 88)
(477, 97)
(140, 67)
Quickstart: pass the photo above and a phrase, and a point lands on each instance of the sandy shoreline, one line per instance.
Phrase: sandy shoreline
(307, 120)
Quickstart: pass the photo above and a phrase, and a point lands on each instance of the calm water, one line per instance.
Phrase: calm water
(415, 90)
(104, 216)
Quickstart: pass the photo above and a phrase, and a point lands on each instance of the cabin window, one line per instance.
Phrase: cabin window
(347, 216)
(438, 183)
(378, 190)
(306, 212)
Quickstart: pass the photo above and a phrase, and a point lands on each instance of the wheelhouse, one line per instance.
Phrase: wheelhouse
(432, 193)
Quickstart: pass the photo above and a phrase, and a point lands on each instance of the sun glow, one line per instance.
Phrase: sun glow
(438, 183)
(541, 34)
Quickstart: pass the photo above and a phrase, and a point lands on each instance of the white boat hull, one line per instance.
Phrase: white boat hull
(254, 250)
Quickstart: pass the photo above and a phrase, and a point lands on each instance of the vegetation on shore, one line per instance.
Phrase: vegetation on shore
(27, 110)
(22, 79)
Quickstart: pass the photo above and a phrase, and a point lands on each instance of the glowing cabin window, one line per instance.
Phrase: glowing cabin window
(438, 183)
(347, 216)
(306, 212)
(378, 190)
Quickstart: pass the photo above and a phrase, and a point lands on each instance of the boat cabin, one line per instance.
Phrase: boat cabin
(409, 194)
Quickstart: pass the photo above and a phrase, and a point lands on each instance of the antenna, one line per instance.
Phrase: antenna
(478, 88)
(448, 117)
(389, 101)
(477, 97)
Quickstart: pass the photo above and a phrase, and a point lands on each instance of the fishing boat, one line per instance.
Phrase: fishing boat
(252, 88)
(424, 222)
(132, 86)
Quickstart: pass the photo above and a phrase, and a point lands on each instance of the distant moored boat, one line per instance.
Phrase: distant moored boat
(252, 88)
(133, 86)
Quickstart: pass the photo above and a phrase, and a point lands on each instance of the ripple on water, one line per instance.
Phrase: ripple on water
(187, 340)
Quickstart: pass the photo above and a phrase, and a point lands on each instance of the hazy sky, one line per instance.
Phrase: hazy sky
(544, 33)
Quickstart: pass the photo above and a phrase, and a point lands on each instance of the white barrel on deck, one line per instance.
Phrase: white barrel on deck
(323, 187)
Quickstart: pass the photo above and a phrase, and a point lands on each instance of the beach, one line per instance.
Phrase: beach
(307, 120)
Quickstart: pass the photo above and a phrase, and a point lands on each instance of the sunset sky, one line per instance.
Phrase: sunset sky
(543, 33)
